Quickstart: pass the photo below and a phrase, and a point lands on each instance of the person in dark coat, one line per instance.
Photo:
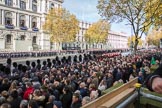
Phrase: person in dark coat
(38, 64)
(57, 104)
(154, 81)
(80, 58)
(15, 103)
(32, 104)
(33, 69)
(20, 68)
(9, 61)
(57, 58)
(75, 59)
(66, 98)
(53, 63)
(15, 69)
(49, 104)
(44, 65)
(76, 102)
(28, 65)
(69, 59)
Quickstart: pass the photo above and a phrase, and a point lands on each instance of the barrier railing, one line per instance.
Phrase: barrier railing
(115, 97)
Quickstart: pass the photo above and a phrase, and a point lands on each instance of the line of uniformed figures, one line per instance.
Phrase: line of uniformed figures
(44, 65)
(4, 55)
(26, 54)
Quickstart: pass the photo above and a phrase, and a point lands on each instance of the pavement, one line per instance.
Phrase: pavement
(31, 59)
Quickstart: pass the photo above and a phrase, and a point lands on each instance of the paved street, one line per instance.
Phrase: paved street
(22, 60)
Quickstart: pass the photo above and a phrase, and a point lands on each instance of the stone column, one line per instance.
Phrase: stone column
(18, 19)
(3, 18)
(14, 18)
(18, 3)
(0, 16)
(29, 21)
(28, 5)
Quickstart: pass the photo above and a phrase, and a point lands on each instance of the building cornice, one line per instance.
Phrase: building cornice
(61, 1)
(18, 30)
(15, 9)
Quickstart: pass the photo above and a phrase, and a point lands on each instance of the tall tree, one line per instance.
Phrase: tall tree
(131, 41)
(133, 11)
(151, 6)
(153, 38)
(61, 25)
(97, 32)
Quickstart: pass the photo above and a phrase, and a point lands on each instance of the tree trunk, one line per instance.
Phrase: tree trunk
(135, 45)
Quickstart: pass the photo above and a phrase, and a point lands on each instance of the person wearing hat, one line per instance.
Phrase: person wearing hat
(28, 65)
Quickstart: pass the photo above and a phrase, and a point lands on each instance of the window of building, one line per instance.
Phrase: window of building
(52, 5)
(34, 23)
(22, 4)
(22, 37)
(34, 39)
(8, 18)
(59, 6)
(8, 38)
(34, 5)
(9, 2)
(22, 21)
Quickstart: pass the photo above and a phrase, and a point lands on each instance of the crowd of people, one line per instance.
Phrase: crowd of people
(68, 82)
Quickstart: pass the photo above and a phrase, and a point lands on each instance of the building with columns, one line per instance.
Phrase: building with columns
(21, 24)
(21, 29)
(116, 40)
(80, 41)
(80, 35)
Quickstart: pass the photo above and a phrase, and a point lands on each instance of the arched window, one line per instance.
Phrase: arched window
(9, 2)
(34, 5)
(34, 40)
(22, 37)
(8, 39)
(8, 18)
(22, 4)
(22, 21)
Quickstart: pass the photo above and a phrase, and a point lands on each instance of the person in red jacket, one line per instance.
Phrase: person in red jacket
(29, 90)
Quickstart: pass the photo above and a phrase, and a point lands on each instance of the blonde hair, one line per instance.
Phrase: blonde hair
(13, 86)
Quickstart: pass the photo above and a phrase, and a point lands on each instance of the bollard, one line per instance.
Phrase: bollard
(138, 87)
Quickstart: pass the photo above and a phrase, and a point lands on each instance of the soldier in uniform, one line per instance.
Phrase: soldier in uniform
(75, 59)
(28, 65)
(33, 69)
(69, 59)
(80, 58)
(38, 64)
(54, 62)
(44, 67)
(15, 69)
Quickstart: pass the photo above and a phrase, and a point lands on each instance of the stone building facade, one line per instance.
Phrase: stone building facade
(21, 24)
(21, 29)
